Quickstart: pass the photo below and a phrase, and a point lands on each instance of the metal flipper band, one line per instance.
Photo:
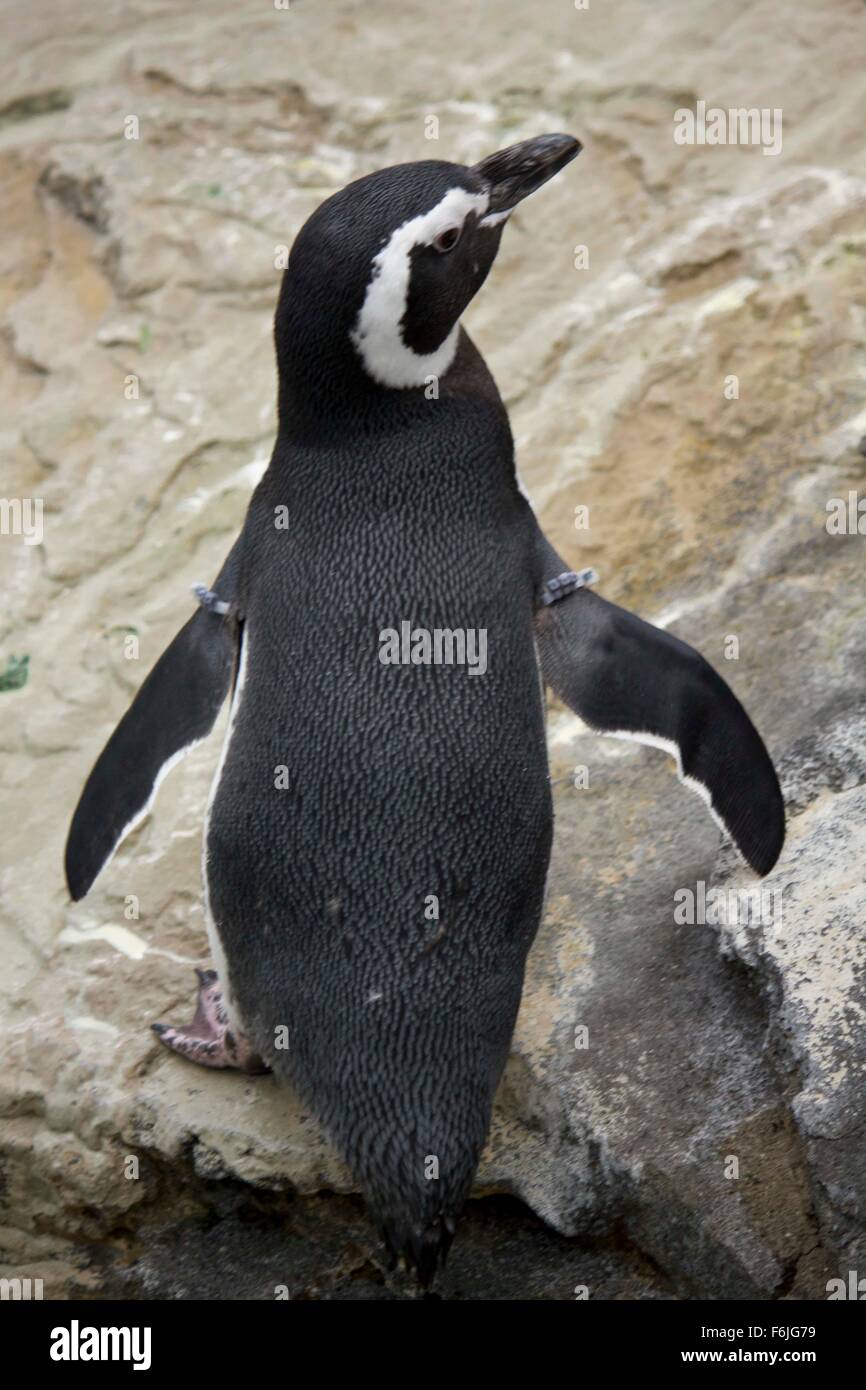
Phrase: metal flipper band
(566, 583)
(210, 599)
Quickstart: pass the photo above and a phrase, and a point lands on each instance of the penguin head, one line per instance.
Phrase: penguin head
(380, 274)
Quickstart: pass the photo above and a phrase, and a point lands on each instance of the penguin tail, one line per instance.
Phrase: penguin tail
(422, 1248)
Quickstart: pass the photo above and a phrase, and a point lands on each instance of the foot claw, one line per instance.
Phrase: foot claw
(209, 1040)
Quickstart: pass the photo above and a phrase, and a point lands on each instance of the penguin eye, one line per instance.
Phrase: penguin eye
(447, 240)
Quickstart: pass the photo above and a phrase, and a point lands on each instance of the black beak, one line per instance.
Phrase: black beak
(513, 174)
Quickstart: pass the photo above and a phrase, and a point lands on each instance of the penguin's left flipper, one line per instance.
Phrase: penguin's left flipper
(628, 679)
(175, 708)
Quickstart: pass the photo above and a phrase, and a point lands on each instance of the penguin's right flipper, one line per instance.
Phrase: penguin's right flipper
(175, 708)
(628, 679)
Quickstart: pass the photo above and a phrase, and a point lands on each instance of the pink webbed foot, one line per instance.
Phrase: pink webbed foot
(209, 1040)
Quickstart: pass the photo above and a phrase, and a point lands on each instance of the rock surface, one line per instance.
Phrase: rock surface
(709, 1139)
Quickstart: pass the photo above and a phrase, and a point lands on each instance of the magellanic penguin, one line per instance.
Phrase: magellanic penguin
(379, 829)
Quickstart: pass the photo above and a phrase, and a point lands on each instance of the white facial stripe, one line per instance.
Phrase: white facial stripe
(493, 219)
(377, 335)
